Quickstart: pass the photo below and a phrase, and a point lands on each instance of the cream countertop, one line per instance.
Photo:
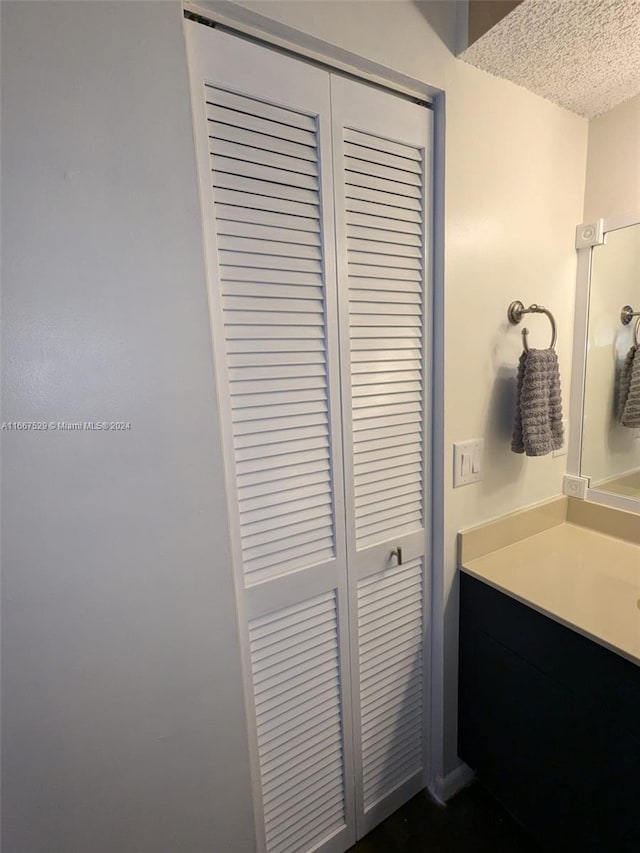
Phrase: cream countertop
(582, 578)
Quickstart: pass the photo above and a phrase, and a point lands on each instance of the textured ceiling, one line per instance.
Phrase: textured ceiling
(581, 54)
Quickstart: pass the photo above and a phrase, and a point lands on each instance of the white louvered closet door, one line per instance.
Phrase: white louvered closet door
(263, 137)
(382, 154)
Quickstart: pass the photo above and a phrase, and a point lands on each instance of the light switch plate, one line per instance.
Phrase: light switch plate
(467, 462)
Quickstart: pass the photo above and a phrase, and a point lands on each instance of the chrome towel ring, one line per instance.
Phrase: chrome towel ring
(516, 312)
(626, 316)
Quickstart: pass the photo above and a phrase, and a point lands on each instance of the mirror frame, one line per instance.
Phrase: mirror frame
(576, 484)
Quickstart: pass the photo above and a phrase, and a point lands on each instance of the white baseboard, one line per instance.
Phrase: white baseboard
(448, 786)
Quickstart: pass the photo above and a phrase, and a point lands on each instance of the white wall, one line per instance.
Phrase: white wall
(123, 725)
(120, 588)
(613, 163)
(515, 171)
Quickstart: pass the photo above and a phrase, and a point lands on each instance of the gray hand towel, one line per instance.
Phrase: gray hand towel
(538, 424)
(629, 394)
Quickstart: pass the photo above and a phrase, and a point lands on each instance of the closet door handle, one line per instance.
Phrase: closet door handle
(397, 552)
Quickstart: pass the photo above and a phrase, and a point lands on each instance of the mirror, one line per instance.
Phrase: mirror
(610, 451)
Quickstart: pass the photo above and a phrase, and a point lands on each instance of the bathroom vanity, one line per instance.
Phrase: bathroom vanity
(549, 683)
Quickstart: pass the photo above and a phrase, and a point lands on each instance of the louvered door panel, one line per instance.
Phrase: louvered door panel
(272, 288)
(390, 635)
(385, 303)
(381, 150)
(264, 154)
(296, 673)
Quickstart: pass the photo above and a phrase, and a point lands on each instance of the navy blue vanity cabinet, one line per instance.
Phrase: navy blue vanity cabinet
(550, 722)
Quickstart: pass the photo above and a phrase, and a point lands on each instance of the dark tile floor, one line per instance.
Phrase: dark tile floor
(472, 822)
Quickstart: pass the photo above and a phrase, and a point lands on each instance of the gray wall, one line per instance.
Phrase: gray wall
(123, 723)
